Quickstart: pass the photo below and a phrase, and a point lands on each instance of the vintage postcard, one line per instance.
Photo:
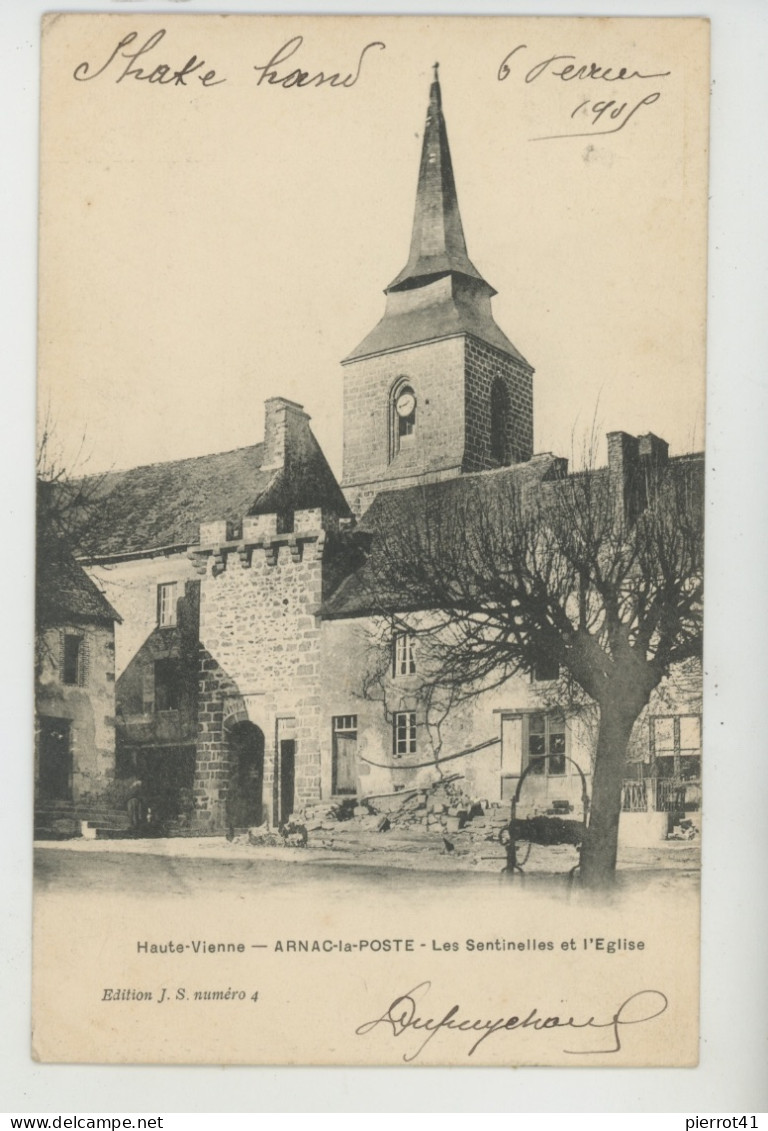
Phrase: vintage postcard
(369, 572)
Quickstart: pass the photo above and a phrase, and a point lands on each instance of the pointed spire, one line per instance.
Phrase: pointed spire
(437, 243)
(439, 293)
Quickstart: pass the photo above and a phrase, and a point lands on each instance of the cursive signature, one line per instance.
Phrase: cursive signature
(406, 1015)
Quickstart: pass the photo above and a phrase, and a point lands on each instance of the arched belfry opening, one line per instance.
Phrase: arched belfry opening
(500, 423)
(245, 789)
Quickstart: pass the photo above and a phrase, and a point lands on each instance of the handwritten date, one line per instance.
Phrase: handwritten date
(604, 115)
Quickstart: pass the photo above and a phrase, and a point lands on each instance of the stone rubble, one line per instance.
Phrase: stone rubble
(437, 818)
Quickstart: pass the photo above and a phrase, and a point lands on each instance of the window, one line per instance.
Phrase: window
(166, 604)
(546, 670)
(167, 685)
(285, 522)
(346, 724)
(404, 733)
(676, 746)
(403, 417)
(546, 744)
(404, 654)
(73, 667)
(344, 766)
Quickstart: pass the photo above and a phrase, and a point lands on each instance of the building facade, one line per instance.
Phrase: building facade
(74, 696)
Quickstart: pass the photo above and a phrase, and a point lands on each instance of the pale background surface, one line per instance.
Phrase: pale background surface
(202, 249)
(205, 248)
(734, 1001)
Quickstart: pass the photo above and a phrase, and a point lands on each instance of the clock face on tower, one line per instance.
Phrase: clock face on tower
(405, 405)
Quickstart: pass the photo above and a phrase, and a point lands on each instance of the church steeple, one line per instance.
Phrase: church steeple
(437, 243)
(436, 389)
(439, 293)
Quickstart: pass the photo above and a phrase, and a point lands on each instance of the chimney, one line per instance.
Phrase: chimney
(624, 474)
(654, 452)
(633, 462)
(286, 432)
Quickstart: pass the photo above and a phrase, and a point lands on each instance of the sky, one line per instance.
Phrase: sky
(204, 247)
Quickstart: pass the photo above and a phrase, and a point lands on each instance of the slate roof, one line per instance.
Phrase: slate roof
(403, 508)
(439, 293)
(445, 318)
(437, 241)
(161, 505)
(66, 593)
(361, 592)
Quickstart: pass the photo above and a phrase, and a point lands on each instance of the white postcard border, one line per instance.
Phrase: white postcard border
(734, 879)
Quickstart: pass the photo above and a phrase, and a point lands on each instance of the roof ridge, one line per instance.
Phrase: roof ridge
(170, 462)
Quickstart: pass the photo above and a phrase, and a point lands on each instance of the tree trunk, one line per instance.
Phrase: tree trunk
(598, 853)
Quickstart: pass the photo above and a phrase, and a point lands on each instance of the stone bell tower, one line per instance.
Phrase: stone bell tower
(436, 389)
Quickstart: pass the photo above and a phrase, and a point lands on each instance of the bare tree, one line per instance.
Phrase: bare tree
(521, 570)
(437, 699)
(71, 516)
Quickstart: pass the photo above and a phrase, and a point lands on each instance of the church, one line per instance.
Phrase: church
(253, 673)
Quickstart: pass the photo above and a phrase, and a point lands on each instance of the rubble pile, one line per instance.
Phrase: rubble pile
(440, 817)
(444, 809)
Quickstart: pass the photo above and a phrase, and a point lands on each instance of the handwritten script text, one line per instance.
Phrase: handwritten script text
(598, 112)
(405, 1016)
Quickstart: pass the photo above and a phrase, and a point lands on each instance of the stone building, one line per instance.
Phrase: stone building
(401, 730)
(219, 565)
(74, 695)
(252, 673)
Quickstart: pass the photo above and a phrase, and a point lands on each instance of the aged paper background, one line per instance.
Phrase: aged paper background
(202, 250)
(734, 991)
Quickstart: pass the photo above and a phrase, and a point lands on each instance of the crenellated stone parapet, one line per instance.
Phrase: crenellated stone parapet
(220, 545)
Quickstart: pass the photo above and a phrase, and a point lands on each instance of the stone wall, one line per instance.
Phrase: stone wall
(260, 663)
(155, 740)
(131, 589)
(88, 707)
(484, 365)
(435, 372)
(357, 679)
(452, 381)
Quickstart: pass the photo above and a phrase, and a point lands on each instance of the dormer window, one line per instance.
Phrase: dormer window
(404, 404)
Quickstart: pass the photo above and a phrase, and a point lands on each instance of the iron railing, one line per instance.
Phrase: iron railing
(662, 795)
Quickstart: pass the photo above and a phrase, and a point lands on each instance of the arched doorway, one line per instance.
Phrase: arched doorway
(246, 776)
